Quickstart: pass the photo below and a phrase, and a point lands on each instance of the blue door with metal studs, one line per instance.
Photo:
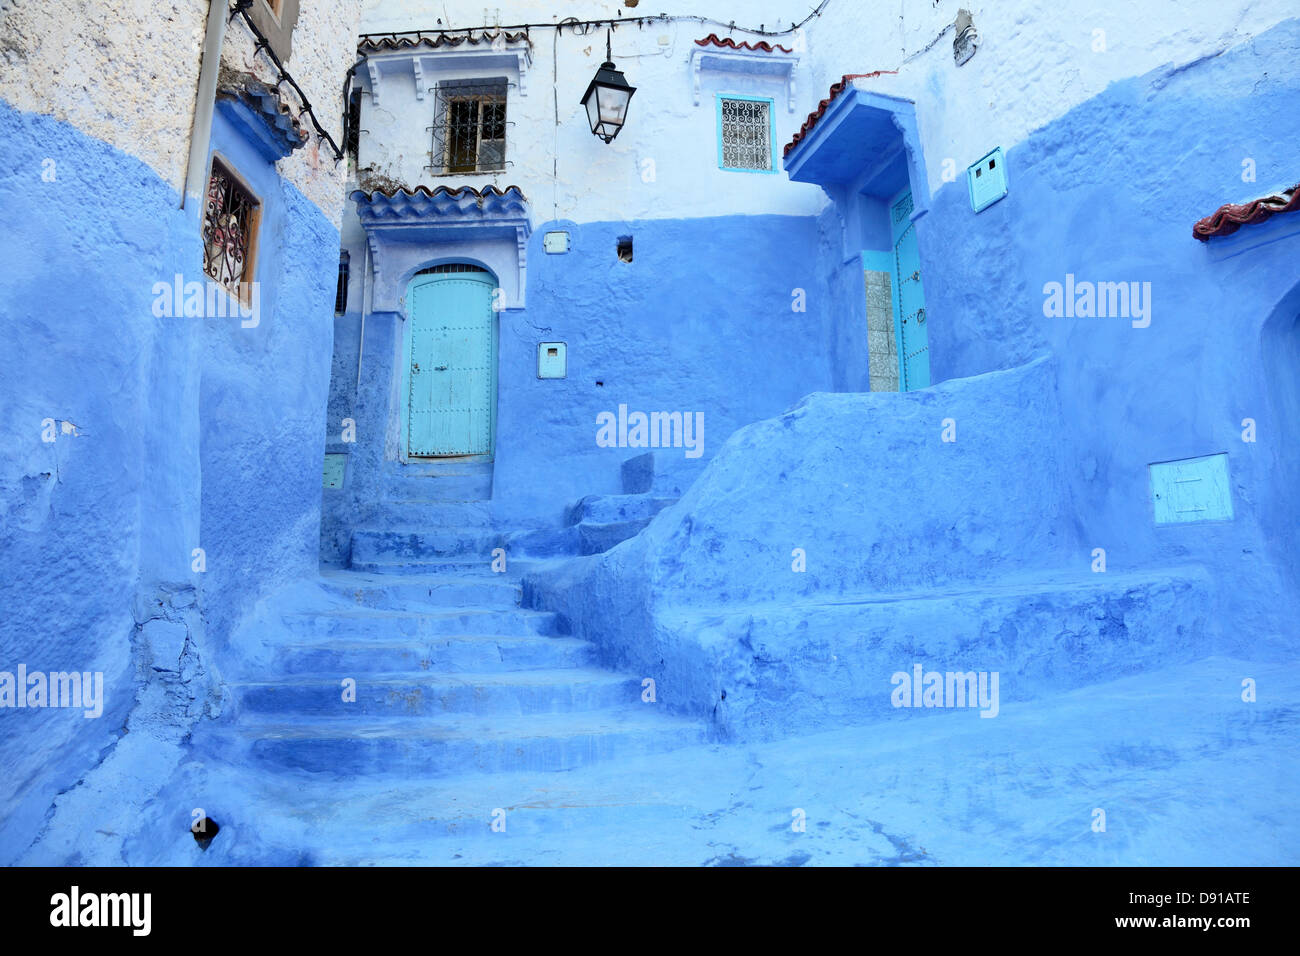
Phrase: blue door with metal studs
(909, 298)
(451, 364)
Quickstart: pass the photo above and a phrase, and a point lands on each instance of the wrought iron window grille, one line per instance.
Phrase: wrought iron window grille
(341, 291)
(230, 219)
(451, 268)
(746, 134)
(469, 127)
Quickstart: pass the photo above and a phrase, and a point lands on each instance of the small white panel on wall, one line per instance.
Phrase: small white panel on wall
(987, 180)
(552, 360)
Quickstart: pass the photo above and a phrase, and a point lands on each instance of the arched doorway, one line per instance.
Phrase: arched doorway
(450, 374)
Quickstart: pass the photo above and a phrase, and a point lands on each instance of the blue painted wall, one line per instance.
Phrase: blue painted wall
(1056, 422)
(262, 399)
(701, 320)
(190, 433)
(1109, 192)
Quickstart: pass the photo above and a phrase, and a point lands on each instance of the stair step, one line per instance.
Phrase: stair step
(439, 481)
(458, 653)
(381, 623)
(423, 590)
(1042, 634)
(456, 744)
(430, 514)
(512, 693)
(543, 542)
(514, 568)
(605, 509)
(597, 538)
(386, 545)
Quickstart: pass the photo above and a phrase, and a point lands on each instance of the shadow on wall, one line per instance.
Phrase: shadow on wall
(1280, 507)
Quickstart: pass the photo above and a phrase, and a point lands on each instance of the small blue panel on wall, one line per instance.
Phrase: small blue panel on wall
(335, 465)
(987, 180)
(552, 360)
(1194, 489)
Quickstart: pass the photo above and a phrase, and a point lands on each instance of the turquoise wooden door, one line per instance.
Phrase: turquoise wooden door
(909, 298)
(451, 365)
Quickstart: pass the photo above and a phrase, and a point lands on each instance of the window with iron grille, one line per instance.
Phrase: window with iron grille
(230, 219)
(352, 139)
(745, 134)
(341, 291)
(469, 126)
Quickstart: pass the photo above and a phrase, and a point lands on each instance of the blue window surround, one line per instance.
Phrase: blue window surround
(771, 119)
(243, 157)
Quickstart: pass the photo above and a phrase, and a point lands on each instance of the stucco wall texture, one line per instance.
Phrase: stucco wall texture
(1107, 191)
(165, 438)
(127, 74)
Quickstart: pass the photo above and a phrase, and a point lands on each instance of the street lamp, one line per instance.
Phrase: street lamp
(607, 97)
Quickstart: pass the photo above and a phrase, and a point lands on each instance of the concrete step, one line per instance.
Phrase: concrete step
(405, 746)
(606, 509)
(543, 542)
(439, 481)
(390, 624)
(473, 653)
(425, 514)
(459, 543)
(511, 693)
(829, 661)
(420, 566)
(421, 591)
(596, 538)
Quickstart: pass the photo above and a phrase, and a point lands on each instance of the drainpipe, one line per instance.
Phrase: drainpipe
(201, 135)
(361, 343)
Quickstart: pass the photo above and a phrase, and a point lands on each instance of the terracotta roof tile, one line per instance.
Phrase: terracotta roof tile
(1230, 217)
(452, 192)
(728, 42)
(374, 43)
(815, 115)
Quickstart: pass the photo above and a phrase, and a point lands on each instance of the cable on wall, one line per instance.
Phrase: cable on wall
(263, 45)
(583, 27)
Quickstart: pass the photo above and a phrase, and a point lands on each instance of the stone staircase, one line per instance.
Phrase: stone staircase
(436, 518)
(450, 675)
(419, 659)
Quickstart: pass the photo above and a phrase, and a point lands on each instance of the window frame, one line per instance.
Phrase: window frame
(276, 19)
(343, 283)
(481, 100)
(243, 289)
(771, 132)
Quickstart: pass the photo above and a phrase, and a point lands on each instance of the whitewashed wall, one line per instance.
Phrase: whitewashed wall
(662, 165)
(127, 74)
(1035, 62)
(324, 46)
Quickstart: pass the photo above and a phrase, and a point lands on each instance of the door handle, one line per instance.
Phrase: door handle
(415, 367)
(440, 368)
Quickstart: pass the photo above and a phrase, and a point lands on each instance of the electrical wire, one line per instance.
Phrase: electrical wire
(588, 25)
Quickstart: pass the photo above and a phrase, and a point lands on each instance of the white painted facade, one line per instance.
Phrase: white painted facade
(1071, 51)
(664, 163)
(1034, 63)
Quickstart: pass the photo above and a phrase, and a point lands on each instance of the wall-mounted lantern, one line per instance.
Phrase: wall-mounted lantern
(607, 97)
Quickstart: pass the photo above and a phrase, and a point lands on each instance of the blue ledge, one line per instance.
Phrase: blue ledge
(855, 128)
